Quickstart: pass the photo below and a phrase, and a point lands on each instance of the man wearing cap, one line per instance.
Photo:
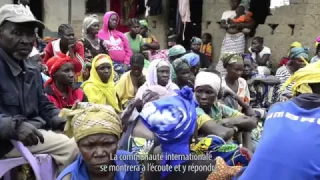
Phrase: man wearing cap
(26, 114)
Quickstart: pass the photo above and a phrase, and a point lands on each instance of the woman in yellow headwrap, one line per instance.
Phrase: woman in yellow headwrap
(100, 88)
(298, 59)
(286, 59)
(303, 77)
(97, 130)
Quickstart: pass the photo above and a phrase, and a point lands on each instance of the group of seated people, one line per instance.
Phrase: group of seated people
(91, 121)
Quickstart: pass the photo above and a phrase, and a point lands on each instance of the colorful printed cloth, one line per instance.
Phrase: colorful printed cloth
(218, 112)
(217, 147)
(223, 171)
(139, 146)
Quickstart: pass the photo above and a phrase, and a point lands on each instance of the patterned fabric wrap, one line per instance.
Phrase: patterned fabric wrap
(261, 99)
(162, 54)
(89, 21)
(223, 171)
(140, 146)
(217, 147)
(302, 78)
(179, 64)
(87, 119)
(118, 67)
(261, 95)
(173, 120)
(176, 50)
(300, 52)
(195, 40)
(230, 58)
(143, 23)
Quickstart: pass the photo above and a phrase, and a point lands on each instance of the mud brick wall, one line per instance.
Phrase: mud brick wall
(302, 15)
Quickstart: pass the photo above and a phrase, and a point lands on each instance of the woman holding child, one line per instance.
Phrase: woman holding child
(234, 40)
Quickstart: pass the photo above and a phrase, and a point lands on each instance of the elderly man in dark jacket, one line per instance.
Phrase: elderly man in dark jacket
(26, 114)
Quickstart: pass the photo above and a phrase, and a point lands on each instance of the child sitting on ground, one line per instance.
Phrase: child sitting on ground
(241, 17)
(206, 47)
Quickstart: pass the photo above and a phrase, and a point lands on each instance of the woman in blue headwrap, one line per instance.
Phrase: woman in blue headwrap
(194, 62)
(195, 48)
(173, 120)
(299, 58)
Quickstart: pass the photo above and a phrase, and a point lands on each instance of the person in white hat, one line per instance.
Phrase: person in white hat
(26, 114)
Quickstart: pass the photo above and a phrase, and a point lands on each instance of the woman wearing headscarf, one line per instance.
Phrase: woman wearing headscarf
(60, 88)
(234, 40)
(173, 120)
(97, 130)
(195, 48)
(234, 65)
(286, 59)
(137, 138)
(100, 88)
(194, 62)
(150, 41)
(298, 59)
(115, 41)
(159, 73)
(290, 127)
(237, 94)
(175, 132)
(183, 72)
(175, 52)
(210, 109)
(92, 44)
(261, 90)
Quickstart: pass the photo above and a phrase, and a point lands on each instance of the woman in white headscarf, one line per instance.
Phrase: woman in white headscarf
(159, 73)
(92, 44)
(210, 112)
